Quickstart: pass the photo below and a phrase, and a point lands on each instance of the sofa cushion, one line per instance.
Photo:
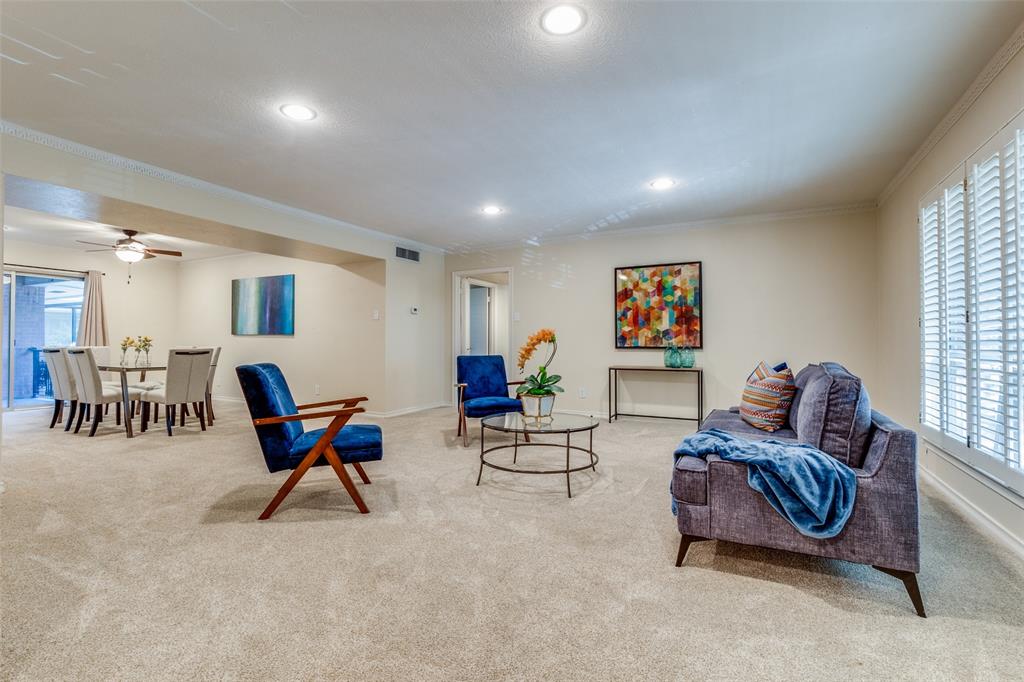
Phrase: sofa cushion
(767, 397)
(803, 377)
(835, 414)
(730, 421)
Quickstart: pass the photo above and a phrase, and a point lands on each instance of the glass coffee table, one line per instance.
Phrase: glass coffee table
(558, 424)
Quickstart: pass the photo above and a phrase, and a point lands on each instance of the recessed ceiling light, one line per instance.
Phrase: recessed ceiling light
(298, 112)
(662, 183)
(491, 210)
(561, 20)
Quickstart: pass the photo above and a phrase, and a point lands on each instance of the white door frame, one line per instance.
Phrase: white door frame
(457, 314)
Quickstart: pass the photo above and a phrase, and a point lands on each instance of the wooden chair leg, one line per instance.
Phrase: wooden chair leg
(910, 583)
(97, 417)
(299, 471)
(156, 413)
(144, 422)
(458, 431)
(71, 415)
(346, 480)
(58, 405)
(106, 408)
(201, 411)
(117, 414)
(362, 474)
(169, 418)
(684, 546)
(209, 409)
(184, 413)
(83, 412)
(465, 428)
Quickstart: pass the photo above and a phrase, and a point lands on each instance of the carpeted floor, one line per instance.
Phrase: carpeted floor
(144, 559)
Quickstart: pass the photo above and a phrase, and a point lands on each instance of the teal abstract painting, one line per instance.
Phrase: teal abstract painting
(263, 306)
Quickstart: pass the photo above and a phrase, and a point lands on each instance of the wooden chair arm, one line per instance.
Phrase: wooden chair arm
(461, 385)
(347, 402)
(347, 412)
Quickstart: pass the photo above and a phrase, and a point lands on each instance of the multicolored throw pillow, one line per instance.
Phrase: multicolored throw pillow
(767, 397)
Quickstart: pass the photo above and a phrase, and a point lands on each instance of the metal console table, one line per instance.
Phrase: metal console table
(613, 390)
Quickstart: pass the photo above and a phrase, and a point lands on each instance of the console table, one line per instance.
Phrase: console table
(613, 392)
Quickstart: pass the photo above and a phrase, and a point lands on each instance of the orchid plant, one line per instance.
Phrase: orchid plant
(540, 383)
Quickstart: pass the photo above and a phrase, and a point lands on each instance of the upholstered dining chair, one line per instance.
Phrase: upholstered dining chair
(187, 371)
(483, 389)
(286, 445)
(62, 386)
(93, 393)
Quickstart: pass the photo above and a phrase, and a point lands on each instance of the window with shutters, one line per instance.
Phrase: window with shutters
(971, 318)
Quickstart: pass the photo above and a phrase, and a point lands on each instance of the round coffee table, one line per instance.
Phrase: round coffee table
(560, 424)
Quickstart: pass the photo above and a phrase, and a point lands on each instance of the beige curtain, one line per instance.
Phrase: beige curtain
(92, 328)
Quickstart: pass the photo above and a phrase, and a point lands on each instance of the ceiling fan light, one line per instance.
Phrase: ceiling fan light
(129, 254)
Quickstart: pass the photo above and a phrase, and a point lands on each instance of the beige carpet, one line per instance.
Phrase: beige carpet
(144, 559)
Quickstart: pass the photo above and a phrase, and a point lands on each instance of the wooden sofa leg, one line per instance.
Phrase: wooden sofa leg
(910, 582)
(684, 546)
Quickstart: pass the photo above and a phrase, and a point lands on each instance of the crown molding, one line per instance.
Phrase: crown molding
(157, 173)
(836, 210)
(995, 65)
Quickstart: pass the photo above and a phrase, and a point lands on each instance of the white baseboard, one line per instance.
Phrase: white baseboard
(974, 513)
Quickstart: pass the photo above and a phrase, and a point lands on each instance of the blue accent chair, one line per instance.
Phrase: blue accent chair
(483, 389)
(286, 445)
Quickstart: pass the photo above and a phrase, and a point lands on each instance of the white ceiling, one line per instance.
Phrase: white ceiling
(429, 110)
(40, 228)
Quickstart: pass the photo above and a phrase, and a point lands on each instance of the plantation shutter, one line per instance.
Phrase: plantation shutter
(954, 317)
(931, 317)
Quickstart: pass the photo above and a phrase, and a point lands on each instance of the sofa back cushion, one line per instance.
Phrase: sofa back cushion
(803, 377)
(767, 397)
(834, 413)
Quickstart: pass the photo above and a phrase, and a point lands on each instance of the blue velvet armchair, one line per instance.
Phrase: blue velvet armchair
(286, 445)
(483, 389)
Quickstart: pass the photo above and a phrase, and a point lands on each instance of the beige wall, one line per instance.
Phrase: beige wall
(898, 392)
(799, 289)
(337, 344)
(146, 306)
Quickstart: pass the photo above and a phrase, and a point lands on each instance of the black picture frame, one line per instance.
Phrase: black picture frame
(615, 303)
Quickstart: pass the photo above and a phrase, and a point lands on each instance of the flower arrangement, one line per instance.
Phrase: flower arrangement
(537, 392)
(142, 345)
(126, 343)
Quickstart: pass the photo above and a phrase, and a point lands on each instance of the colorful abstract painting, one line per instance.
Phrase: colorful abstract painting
(658, 306)
(263, 306)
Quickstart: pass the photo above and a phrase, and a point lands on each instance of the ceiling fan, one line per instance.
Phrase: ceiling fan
(130, 249)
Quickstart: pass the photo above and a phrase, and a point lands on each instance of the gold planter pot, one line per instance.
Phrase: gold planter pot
(537, 406)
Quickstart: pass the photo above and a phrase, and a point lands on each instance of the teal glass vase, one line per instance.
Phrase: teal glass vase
(687, 358)
(673, 357)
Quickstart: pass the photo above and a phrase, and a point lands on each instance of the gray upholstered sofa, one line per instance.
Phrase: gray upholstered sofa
(831, 410)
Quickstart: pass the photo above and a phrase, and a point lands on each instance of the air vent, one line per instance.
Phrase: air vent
(407, 254)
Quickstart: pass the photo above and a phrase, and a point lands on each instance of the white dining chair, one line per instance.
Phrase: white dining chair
(93, 392)
(209, 385)
(62, 387)
(188, 370)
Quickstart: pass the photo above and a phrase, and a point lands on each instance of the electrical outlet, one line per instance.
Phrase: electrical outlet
(316, 389)
(376, 314)
(583, 392)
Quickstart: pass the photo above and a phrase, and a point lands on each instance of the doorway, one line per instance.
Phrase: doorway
(40, 309)
(482, 313)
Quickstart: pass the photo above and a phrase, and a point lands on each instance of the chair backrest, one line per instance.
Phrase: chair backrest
(60, 374)
(213, 369)
(267, 395)
(86, 375)
(484, 376)
(187, 371)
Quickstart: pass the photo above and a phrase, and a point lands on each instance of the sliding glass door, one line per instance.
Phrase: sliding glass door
(39, 309)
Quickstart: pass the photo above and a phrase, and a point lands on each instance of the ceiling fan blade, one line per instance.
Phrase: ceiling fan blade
(96, 250)
(164, 252)
(94, 244)
(147, 254)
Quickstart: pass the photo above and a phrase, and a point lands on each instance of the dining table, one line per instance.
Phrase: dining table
(123, 371)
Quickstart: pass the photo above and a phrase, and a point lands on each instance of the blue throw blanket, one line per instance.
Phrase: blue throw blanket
(810, 489)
